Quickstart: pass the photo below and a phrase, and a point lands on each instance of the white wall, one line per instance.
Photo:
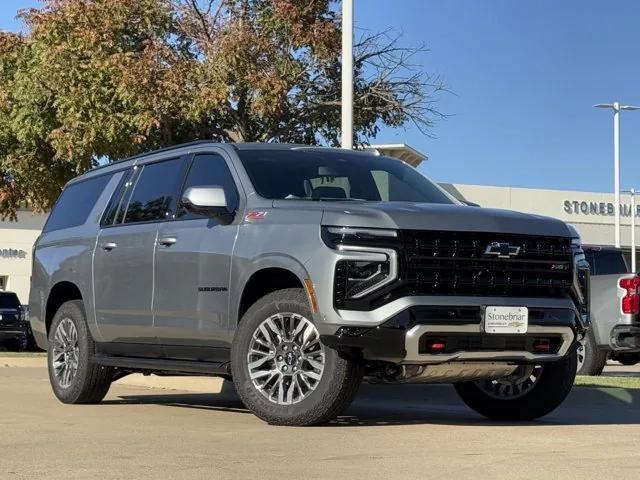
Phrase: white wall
(19, 236)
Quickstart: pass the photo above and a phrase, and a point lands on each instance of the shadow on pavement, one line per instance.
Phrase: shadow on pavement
(381, 405)
(227, 400)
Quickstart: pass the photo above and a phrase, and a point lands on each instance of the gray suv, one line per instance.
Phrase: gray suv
(297, 272)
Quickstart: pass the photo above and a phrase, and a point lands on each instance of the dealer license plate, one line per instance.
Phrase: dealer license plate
(506, 319)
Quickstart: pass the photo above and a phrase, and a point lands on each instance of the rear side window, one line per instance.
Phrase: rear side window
(607, 262)
(155, 193)
(76, 202)
(115, 205)
(209, 170)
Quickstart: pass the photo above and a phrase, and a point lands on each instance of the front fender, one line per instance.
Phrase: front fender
(244, 270)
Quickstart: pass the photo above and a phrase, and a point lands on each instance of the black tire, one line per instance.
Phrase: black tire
(628, 359)
(595, 359)
(91, 382)
(553, 386)
(335, 390)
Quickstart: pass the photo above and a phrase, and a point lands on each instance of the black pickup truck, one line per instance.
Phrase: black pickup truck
(15, 332)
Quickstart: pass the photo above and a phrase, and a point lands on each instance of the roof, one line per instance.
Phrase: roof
(401, 151)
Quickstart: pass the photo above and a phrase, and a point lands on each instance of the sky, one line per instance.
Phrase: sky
(524, 76)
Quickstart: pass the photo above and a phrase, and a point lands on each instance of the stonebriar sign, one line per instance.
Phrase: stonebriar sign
(12, 253)
(575, 207)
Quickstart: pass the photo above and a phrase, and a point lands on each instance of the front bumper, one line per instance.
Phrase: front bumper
(401, 338)
(12, 333)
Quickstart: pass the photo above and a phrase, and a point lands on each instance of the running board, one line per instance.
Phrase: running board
(160, 365)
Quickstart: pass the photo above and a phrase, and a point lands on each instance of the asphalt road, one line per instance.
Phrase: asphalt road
(406, 432)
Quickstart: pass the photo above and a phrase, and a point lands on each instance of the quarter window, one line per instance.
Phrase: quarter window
(210, 170)
(75, 203)
(155, 193)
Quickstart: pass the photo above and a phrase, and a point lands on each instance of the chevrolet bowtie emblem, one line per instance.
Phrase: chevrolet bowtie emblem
(501, 250)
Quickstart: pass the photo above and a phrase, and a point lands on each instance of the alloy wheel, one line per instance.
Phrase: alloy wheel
(513, 386)
(286, 358)
(581, 353)
(66, 353)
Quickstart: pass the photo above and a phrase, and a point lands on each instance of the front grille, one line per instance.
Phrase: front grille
(482, 342)
(455, 263)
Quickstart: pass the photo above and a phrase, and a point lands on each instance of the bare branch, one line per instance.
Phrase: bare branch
(201, 17)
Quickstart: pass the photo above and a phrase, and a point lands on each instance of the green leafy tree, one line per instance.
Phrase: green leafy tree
(103, 79)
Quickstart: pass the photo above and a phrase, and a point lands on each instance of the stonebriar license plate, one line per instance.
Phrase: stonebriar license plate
(506, 319)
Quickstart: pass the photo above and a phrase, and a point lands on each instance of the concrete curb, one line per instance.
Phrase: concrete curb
(187, 384)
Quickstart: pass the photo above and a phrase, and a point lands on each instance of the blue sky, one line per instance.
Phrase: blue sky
(524, 74)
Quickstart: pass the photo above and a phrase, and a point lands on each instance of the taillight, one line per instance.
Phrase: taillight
(630, 302)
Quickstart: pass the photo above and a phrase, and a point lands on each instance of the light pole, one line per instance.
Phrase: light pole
(616, 107)
(346, 130)
(632, 192)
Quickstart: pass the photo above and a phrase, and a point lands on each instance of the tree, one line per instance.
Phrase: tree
(103, 79)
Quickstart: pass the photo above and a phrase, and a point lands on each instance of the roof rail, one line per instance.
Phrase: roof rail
(152, 152)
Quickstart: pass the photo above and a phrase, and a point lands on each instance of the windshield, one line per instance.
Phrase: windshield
(9, 300)
(334, 175)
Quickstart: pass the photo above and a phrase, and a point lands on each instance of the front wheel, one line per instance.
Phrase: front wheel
(532, 391)
(282, 371)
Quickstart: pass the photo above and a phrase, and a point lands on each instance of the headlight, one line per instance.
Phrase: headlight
(367, 261)
(575, 236)
(359, 277)
(335, 236)
(363, 270)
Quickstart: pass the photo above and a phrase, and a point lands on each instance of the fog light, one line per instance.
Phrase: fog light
(542, 345)
(436, 346)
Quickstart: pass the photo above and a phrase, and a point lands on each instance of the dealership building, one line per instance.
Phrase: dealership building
(591, 213)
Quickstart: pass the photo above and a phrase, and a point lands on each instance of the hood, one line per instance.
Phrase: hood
(424, 216)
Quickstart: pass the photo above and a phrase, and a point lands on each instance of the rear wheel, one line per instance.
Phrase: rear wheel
(532, 391)
(73, 376)
(591, 359)
(282, 371)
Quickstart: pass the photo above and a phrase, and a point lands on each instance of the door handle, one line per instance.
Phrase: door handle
(108, 246)
(167, 241)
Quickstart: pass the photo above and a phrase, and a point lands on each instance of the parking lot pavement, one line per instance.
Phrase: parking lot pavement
(389, 432)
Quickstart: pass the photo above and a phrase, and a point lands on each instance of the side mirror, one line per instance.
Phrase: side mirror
(207, 200)
(469, 204)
